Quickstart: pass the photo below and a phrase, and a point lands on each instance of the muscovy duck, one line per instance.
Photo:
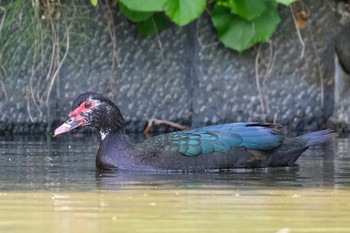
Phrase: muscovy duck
(225, 146)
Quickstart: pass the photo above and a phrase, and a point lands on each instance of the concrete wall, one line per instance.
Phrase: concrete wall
(183, 75)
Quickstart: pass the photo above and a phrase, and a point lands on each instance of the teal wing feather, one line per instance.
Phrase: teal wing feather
(220, 138)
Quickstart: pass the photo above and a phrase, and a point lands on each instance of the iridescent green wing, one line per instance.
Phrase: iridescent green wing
(219, 138)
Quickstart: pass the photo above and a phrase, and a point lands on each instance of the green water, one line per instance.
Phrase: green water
(53, 186)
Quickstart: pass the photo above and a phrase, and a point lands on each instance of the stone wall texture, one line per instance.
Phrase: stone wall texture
(182, 74)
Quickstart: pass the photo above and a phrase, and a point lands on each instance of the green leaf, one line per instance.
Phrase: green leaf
(240, 34)
(144, 5)
(94, 2)
(285, 2)
(267, 23)
(182, 12)
(134, 16)
(233, 31)
(152, 25)
(247, 9)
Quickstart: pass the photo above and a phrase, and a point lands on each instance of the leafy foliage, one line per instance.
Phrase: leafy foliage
(285, 2)
(240, 24)
(238, 33)
(134, 16)
(247, 9)
(182, 12)
(142, 5)
(152, 25)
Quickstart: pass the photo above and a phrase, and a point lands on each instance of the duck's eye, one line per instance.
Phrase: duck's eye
(87, 105)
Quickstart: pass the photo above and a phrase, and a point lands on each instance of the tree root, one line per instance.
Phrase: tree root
(154, 121)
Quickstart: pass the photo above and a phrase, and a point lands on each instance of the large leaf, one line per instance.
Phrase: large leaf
(247, 9)
(144, 5)
(267, 23)
(182, 12)
(134, 16)
(233, 31)
(285, 2)
(240, 34)
(152, 25)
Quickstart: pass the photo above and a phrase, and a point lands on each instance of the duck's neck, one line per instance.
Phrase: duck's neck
(114, 151)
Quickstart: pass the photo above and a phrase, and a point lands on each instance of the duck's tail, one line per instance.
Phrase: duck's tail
(319, 137)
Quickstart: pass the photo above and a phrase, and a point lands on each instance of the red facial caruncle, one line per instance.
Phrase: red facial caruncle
(85, 107)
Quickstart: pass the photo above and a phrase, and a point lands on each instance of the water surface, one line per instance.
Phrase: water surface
(52, 185)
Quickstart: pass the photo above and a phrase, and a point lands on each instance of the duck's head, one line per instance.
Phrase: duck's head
(93, 109)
